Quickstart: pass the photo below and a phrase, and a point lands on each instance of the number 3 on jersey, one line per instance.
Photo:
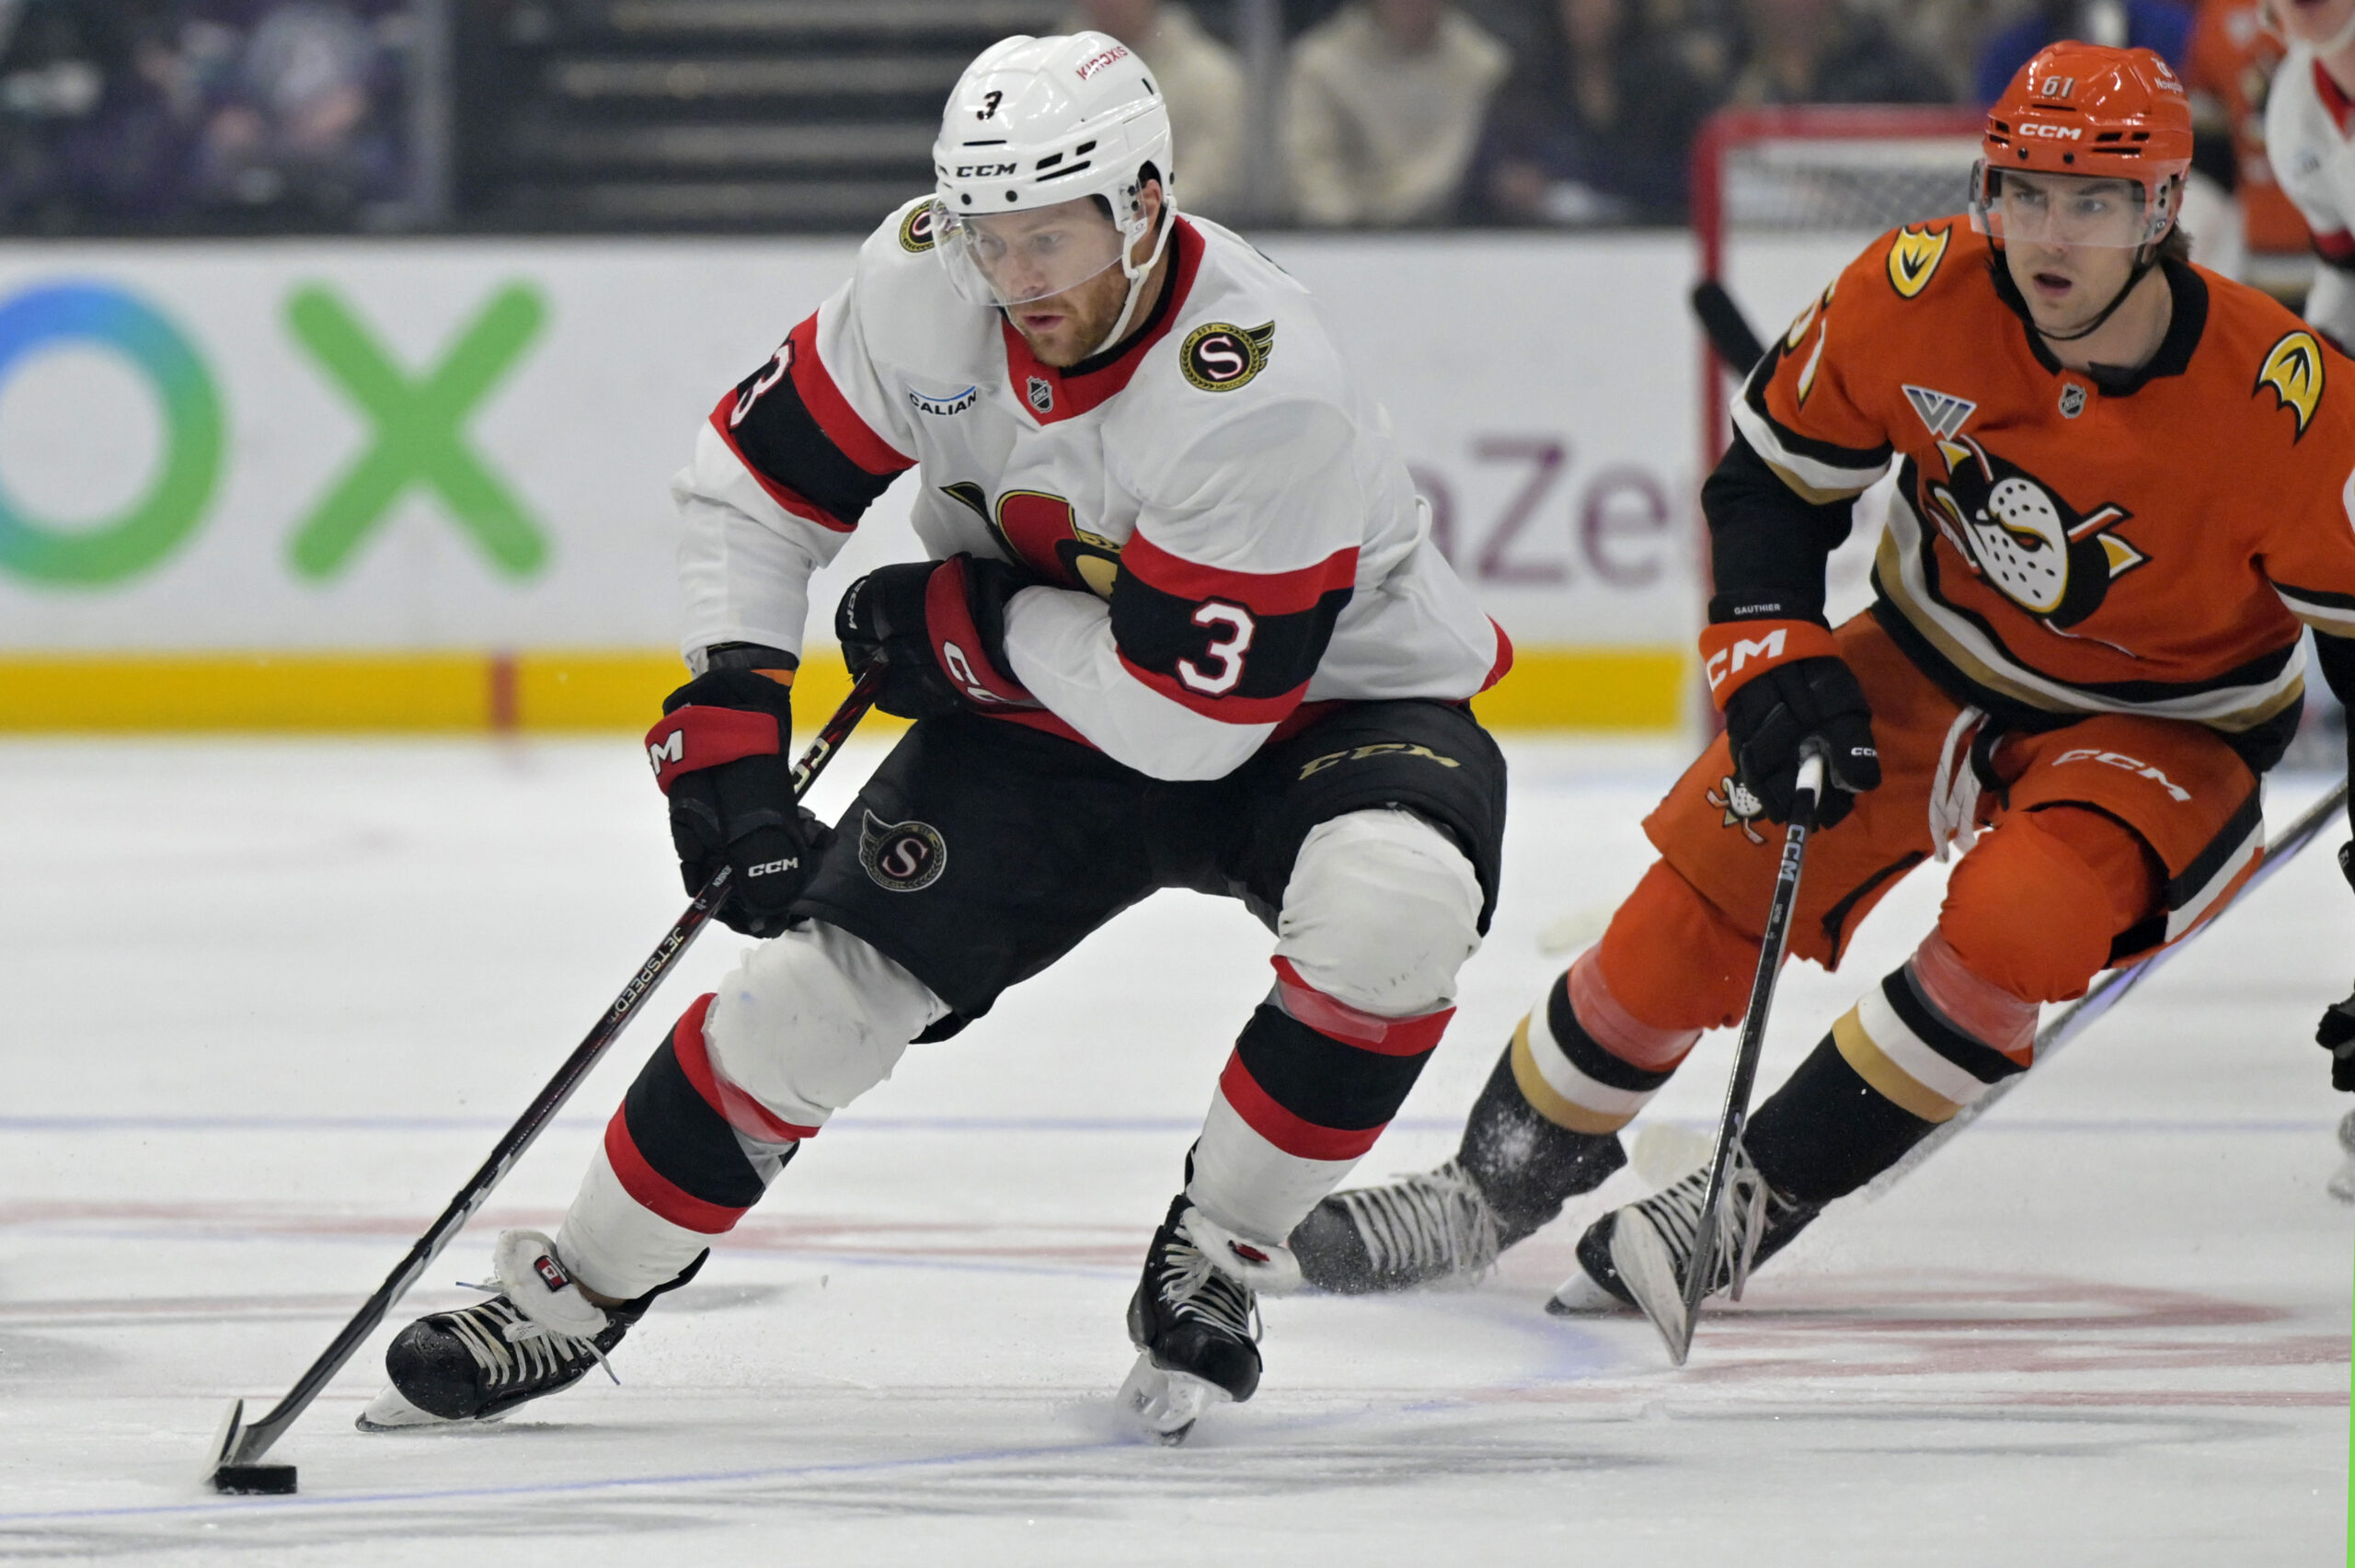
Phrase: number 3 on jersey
(1227, 651)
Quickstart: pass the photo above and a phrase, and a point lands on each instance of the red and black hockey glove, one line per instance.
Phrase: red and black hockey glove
(2335, 1034)
(1781, 684)
(938, 630)
(719, 755)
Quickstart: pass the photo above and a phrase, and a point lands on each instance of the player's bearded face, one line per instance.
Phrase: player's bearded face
(2069, 243)
(1056, 273)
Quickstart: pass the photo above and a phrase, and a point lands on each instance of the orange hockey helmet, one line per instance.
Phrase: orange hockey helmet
(2094, 112)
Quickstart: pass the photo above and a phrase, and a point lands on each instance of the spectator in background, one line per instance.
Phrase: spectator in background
(1385, 104)
(1822, 51)
(2161, 25)
(1201, 81)
(90, 138)
(303, 124)
(1594, 126)
(2232, 56)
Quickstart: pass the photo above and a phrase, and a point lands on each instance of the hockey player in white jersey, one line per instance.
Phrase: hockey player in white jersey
(2310, 138)
(1183, 625)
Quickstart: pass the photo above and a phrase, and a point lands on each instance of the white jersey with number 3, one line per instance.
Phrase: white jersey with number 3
(1223, 519)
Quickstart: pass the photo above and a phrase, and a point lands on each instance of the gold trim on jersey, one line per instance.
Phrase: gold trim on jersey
(1915, 255)
(1983, 662)
(2292, 370)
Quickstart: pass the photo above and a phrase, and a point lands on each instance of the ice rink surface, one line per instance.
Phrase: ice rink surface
(271, 1002)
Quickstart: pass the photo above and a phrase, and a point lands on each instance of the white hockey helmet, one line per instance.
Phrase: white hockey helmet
(1035, 122)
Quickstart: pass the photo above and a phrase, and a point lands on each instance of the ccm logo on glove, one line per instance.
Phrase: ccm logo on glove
(1736, 652)
(720, 735)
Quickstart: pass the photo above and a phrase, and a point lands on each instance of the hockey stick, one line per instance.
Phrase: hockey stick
(239, 1449)
(1702, 1265)
(1729, 330)
(2107, 992)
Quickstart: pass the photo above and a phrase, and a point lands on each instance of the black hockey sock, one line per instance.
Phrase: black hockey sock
(1827, 1132)
(1526, 1165)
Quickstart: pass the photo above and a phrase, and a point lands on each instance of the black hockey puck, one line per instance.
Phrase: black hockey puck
(265, 1480)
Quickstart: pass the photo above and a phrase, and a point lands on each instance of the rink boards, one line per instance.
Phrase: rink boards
(423, 486)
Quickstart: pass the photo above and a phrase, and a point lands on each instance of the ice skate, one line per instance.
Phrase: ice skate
(2342, 1184)
(1430, 1228)
(1195, 1325)
(537, 1335)
(1512, 1174)
(1637, 1255)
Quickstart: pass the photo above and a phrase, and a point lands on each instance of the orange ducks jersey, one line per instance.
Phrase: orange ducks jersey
(2062, 543)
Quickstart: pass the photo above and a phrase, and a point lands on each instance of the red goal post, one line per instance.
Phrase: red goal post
(1833, 172)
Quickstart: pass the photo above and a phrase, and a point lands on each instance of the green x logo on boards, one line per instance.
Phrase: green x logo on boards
(419, 432)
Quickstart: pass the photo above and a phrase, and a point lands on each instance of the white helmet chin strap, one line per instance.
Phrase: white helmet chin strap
(1136, 273)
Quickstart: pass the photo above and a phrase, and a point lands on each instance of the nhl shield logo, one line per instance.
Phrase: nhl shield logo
(901, 857)
(1042, 394)
(2073, 401)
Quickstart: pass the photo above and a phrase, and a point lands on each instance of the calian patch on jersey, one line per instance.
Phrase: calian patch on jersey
(2028, 543)
(2294, 371)
(1913, 257)
(1220, 357)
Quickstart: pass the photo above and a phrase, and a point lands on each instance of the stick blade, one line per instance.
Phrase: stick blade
(223, 1472)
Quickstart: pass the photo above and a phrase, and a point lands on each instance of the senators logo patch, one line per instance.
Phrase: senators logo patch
(2024, 541)
(915, 231)
(2293, 370)
(901, 857)
(1913, 257)
(1218, 357)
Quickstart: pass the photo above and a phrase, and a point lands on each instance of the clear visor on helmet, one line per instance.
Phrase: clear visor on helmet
(1012, 258)
(2032, 207)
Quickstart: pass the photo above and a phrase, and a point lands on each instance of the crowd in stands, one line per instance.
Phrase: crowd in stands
(1572, 113)
(155, 115)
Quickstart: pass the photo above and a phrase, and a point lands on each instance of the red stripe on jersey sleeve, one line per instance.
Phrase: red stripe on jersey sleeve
(785, 496)
(1226, 709)
(1262, 593)
(654, 1191)
(832, 411)
(2337, 247)
(1291, 1135)
(1504, 665)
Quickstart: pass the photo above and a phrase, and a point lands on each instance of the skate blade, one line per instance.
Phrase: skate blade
(389, 1411)
(1164, 1402)
(1649, 1271)
(1582, 1295)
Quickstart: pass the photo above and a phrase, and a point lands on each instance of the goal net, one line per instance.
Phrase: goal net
(1784, 198)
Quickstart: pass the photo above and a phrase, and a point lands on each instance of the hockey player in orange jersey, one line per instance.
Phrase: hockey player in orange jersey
(2123, 485)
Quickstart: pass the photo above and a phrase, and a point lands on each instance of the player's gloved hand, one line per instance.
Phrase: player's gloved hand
(719, 755)
(1771, 716)
(2335, 1033)
(938, 630)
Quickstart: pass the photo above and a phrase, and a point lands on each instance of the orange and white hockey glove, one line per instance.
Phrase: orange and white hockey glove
(1780, 684)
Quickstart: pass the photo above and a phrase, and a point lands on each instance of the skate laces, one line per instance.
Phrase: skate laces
(509, 1347)
(1436, 1219)
(1742, 1217)
(1190, 1285)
